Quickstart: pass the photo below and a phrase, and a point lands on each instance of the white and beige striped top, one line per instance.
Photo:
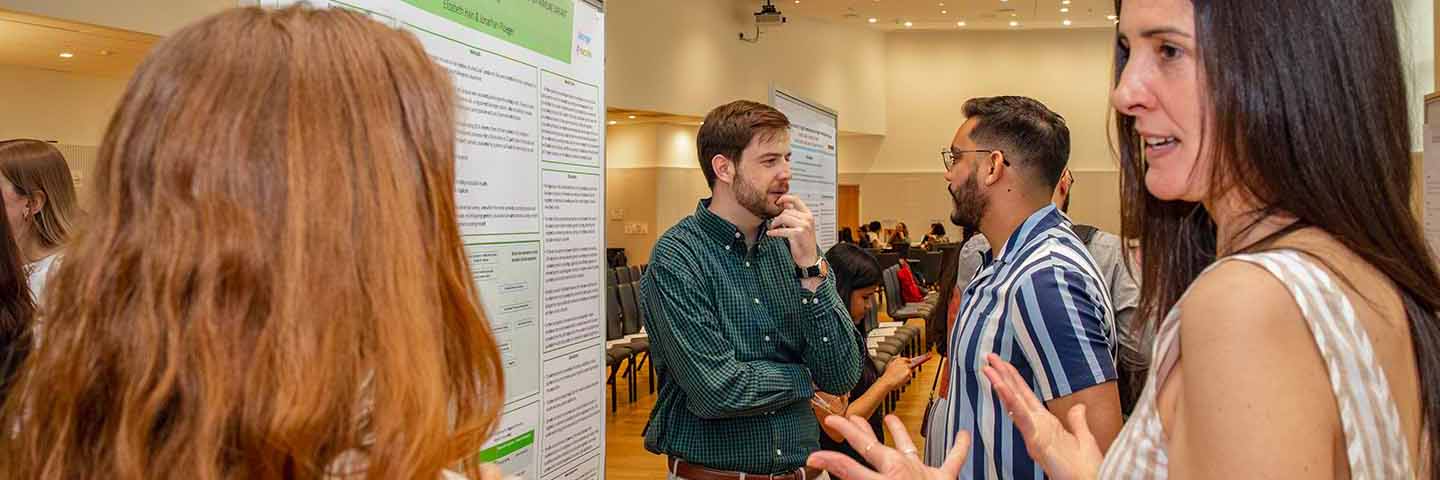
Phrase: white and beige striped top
(1375, 443)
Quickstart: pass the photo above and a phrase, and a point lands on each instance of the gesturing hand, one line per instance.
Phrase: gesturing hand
(892, 464)
(1072, 454)
(797, 225)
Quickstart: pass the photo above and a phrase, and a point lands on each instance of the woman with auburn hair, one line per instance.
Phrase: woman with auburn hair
(272, 284)
(40, 204)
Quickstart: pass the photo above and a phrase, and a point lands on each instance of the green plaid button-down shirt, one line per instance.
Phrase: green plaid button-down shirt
(739, 347)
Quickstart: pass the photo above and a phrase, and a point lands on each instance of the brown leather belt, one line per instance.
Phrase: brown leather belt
(690, 471)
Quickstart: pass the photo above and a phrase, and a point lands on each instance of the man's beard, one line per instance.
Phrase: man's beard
(968, 205)
(755, 199)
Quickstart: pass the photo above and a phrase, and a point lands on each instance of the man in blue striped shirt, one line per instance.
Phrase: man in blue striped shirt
(1038, 300)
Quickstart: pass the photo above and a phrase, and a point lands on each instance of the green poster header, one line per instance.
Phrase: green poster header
(508, 447)
(543, 26)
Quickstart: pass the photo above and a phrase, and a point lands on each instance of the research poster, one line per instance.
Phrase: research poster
(814, 134)
(529, 77)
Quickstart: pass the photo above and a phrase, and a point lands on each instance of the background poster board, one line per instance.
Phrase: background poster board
(530, 189)
(814, 136)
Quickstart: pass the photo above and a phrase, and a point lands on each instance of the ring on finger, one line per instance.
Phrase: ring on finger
(867, 449)
(910, 452)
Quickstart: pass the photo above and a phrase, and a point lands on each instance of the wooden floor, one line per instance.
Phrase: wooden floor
(625, 455)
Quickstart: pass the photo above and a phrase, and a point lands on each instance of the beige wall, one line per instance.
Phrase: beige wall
(931, 74)
(68, 108)
(684, 57)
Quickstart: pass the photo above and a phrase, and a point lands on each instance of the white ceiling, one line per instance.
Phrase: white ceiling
(891, 15)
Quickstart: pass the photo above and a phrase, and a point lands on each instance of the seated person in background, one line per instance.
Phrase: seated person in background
(846, 236)
(857, 277)
(745, 323)
(864, 240)
(900, 236)
(876, 241)
(239, 308)
(935, 237)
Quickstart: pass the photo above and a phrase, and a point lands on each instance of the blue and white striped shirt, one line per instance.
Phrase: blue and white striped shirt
(1043, 307)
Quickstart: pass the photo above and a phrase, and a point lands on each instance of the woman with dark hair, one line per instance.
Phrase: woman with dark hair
(857, 277)
(17, 308)
(1266, 169)
(846, 236)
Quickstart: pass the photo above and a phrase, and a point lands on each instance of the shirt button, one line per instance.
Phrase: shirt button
(757, 301)
(737, 234)
(777, 452)
(727, 247)
(804, 301)
(825, 339)
(747, 264)
(767, 338)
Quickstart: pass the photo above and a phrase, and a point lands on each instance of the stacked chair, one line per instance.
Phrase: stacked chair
(627, 346)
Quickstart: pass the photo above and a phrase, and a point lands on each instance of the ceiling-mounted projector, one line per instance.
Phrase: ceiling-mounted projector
(769, 15)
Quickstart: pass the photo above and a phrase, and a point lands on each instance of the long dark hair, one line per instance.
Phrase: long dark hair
(17, 308)
(1308, 115)
(853, 268)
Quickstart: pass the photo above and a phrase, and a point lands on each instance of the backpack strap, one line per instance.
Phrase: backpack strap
(1085, 232)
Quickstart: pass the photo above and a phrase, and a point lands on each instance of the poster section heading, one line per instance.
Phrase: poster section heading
(542, 26)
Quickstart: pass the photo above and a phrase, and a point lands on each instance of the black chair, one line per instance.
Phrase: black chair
(888, 259)
(616, 356)
(611, 277)
(930, 266)
(635, 274)
(622, 275)
(633, 320)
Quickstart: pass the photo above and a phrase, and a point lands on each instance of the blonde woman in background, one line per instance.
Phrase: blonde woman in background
(272, 284)
(40, 203)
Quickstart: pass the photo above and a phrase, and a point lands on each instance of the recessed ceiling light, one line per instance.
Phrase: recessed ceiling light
(872, 20)
(959, 24)
(1014, 23)
(1066, 22)
(66, 54)
(1065, 2)
(1064, 10)
(942, 4)
(942, 12)
(909, 24)
(105, 53)
(1110, 17)
(632, 117)
(612, 122)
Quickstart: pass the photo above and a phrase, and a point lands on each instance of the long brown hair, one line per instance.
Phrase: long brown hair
(33, 166)
(1308, 116)
(273, 285)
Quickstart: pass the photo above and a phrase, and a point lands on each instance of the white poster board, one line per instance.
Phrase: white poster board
(814, 171)
(530, 189)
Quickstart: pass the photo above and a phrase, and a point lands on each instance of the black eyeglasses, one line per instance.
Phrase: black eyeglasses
(948, 156)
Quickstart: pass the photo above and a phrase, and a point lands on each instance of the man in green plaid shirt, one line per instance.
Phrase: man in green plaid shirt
(744, 321)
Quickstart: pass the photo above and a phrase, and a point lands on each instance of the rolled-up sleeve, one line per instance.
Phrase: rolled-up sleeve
(1063, 325)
